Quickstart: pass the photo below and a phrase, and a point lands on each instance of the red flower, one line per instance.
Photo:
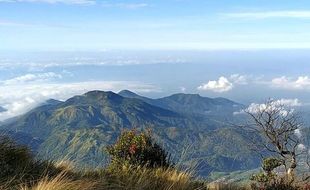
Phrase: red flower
(133, 149)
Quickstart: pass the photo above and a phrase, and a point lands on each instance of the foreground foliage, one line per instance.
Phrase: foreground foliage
(137, 149)
(20, 171)
(17, 164)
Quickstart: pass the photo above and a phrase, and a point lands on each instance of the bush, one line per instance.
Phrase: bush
(269, 180)
(269, 164)
(277, 184)
(138, 149)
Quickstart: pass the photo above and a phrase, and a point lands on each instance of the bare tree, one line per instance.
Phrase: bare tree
(277, 124)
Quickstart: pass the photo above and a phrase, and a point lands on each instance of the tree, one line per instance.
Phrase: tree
(277, 124)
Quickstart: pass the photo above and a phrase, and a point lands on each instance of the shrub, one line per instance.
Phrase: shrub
(268, 179)
(269, 164)
(138, 149)
(277, 184)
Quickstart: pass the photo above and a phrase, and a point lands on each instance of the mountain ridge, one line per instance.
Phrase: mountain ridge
(186, 103)
(80, 128)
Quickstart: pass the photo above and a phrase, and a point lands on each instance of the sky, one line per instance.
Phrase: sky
(243, 50)
(153, 24)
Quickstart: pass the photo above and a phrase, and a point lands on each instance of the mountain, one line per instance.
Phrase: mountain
(194, 103)
(51, 102)
(217, 109)
(23, 139)
(80, 128)
(130, 94)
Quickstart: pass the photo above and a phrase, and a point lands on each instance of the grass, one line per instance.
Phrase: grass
(126, 178)
(60, 182)
(19, 170)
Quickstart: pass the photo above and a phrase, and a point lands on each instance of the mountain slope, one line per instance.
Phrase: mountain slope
(80, 128)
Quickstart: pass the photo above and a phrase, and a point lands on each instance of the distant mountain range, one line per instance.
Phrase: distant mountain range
(192, 128)
(190, 103)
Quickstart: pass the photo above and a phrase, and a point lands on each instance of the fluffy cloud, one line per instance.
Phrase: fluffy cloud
(224, 84)
(221, 85)
(76, 2)
(301, 83)
(19, 98)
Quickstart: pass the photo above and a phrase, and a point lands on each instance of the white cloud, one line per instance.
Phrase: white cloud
(301, 83)
(288, 102)
(301, 147)
(19, 98)
(40, 77)
(126, 5)
(298, 133)
(221, 85)
(275, 104)
(76, 2)
(270, 14)
(183, 89)
(239, 79)
(86, 61)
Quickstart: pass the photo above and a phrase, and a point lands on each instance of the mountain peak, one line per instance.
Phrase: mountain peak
(100, 93)
(186, 97)
(97, 94)
(52, 102)
(128, 94)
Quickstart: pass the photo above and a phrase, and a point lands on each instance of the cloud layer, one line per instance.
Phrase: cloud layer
(22, 93)
(301, 14)
(301, 83)
(40, 77)
(76, 2)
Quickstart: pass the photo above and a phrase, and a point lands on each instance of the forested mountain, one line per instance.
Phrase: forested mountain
(80, 128)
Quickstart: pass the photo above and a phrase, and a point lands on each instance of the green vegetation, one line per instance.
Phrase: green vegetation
(20, 171)
(138, 149)
(138, 163)
(86, 131)
(269, 179)
(80, 128)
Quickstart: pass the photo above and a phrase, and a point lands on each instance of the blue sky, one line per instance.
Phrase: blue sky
(153, 24)
(247, 51)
